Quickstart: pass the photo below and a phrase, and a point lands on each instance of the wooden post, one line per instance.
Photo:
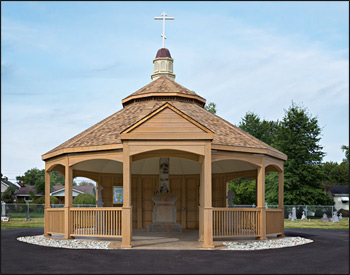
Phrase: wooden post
(280, 199)
(68, 198)
(207, 195)
(47, 201)
(139, 201)
(261, 199)
(127, 208)
(183, 202)
(201, 198)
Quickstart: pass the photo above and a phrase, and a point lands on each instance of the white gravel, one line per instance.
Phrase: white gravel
(268, 244)
(72, 244)
(239, 245)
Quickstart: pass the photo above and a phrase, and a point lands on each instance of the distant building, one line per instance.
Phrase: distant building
(24, 192)
(59, 191)
(6, 184)
(340, 195)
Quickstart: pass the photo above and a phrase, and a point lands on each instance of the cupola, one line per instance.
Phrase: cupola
(163, 65)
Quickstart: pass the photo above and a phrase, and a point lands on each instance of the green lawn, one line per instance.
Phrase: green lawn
(313, 223)
(22, 223)
(317, 223)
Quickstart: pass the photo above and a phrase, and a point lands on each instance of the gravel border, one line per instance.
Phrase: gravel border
(90, 244)
(268, 244)
(72, 244)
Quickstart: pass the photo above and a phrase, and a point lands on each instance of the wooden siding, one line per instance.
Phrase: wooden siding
(274, 222)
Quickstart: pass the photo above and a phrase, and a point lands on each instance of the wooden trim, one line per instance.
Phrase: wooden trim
(195, 97)
(80, 150)
(166, 153)
(161, 108)
(265, 151)
(167, 136)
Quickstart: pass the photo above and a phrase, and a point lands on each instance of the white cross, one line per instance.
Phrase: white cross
(163, 18)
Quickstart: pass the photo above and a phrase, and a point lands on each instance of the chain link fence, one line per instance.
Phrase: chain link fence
(21, 210)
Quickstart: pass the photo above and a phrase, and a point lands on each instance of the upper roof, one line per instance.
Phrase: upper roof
(163, 87)
(163, 53)
(147, 100)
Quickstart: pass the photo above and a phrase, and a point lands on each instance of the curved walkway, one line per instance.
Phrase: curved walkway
(328, 254)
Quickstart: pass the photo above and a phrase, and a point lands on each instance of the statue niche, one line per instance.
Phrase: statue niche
(164, 211)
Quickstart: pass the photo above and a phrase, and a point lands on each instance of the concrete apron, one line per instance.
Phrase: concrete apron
(186, 240)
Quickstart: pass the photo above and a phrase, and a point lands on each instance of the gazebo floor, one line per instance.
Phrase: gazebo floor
(186, 240)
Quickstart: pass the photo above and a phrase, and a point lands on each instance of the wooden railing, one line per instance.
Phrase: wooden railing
(96, 222)
(274, 221)
(236, 222)
(54, 221)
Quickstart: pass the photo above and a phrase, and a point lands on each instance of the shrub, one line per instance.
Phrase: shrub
(41, 200)
(84, 199)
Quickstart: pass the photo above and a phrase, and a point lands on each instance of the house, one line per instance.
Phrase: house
(24, 193)
(59, 191)
(5, 183)
(340, 195)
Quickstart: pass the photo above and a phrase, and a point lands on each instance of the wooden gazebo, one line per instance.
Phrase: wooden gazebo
(164, 120)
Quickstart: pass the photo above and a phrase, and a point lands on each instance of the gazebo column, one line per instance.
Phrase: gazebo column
(207, 195)
(47, 201)
(281, 199)
(127, 208)
(261, 199)
(68, 199)
(201, 198)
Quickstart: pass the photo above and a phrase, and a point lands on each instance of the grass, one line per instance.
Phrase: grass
(317, 223)
(22, 223)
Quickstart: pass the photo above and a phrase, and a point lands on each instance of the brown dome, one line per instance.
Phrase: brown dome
(163, 52)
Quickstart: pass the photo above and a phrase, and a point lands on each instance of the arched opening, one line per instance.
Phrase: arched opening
(183, 183)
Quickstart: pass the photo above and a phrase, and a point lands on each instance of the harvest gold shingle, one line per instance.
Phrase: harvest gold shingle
(107, 131)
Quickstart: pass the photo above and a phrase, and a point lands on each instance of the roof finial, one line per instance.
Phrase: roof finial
(163, 18)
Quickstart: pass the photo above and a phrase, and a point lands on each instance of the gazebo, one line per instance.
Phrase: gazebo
(164, 123)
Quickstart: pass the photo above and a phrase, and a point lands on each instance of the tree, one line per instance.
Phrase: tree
(8, 195)
(262, 129)
(298, 136)
(84, 199)
(211, 107)
(56, 178)
(86, 183)
(244, 190)
(346, 149)
(32, 176)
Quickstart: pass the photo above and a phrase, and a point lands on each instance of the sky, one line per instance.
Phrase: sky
(67, 65)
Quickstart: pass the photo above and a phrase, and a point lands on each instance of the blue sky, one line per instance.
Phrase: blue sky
(67, 65)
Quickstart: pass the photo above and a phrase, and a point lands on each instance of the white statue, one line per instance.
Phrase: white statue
(303, 217)
(325, 218)
(335, 217)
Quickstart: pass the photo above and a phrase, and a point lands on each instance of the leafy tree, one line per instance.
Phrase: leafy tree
(86, 183)
(346, 149)
(56, 178)
(32, 176)
(8, 195)
(298, 136)
(261, 129)
(84, 199)
(211, 107)
(244, 190)
(334, 173)
(41, 200)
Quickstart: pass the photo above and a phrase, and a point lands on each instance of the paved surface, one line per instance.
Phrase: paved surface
(328, 254)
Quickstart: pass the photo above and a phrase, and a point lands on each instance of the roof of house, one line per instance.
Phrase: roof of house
(9, 183)
(340, 189)
(107, 131)
(85, 189)
(24, 191)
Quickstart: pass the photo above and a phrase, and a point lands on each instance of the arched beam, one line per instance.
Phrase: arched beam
(166, 153)
(249, 158)
(115, 156)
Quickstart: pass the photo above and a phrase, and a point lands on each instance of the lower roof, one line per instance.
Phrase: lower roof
(107, 131)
